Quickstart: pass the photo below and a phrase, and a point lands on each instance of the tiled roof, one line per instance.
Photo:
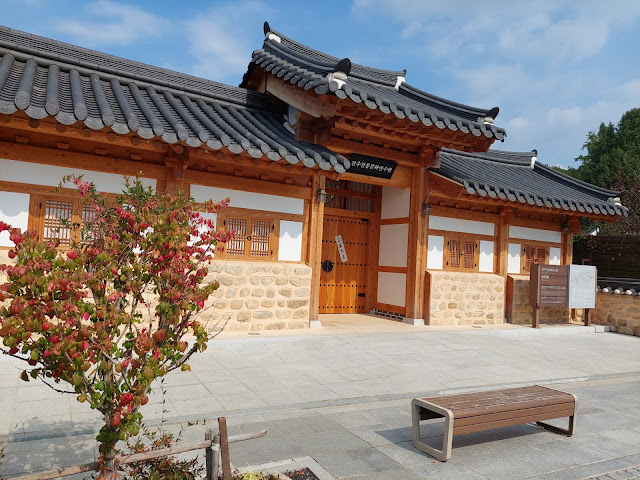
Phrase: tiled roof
(45, 78)
(383, 90)
(520, 178)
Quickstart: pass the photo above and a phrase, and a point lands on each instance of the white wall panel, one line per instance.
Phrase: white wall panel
(435, 249)
(14, 210)
(254, 201)
(290, 245)
(459, 225)
(513, 265)
(395, 202)
(394, 240)
(392, 288)
(555, 254)
(486, 256)
(527, 233)
(51, 175)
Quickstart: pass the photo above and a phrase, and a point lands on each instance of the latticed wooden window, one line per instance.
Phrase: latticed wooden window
(533, 254)
(461, 254)
(60, 218)
(253, 238)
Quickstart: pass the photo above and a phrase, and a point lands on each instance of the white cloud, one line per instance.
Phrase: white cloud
(219, 41)
(109, 23)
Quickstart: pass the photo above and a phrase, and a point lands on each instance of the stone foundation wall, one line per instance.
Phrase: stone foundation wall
(621, 312)
(464, 298)
(259, 295)
(518, 309)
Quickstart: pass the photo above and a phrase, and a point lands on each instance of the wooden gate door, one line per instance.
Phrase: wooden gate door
(342, 284)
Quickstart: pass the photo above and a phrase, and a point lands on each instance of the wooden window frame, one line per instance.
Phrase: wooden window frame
(461, 237)
(524, 245)
(37, 213)
(250, 216)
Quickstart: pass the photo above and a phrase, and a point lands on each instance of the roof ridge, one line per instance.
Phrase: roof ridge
(123, 68)
(395, 73)
(429, 96)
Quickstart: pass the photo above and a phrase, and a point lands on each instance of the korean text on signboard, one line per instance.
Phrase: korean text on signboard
(549, 285)
(371, 166)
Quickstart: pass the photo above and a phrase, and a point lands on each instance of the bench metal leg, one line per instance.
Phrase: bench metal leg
(444, 454)
(572, 422)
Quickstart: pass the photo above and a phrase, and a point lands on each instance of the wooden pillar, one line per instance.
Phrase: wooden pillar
(314, 244)
(417, 252)
(373, 255)
(502, 247)
(177, 163)
(567, 248)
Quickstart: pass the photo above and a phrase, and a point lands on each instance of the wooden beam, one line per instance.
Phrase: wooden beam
(316, 218)
(340, 145)
(401, 178)
(246, 184)
(567, 248)
(84, 161)
(312, 130)
(307, 101)
(417, 258)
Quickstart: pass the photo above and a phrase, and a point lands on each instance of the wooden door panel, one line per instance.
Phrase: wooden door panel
(340, 287)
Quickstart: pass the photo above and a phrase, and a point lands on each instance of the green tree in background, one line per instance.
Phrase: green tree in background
(612, 160)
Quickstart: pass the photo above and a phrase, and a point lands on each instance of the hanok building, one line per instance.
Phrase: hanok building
(351, 190)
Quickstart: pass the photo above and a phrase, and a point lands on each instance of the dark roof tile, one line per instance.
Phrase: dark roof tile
(43, 77)
(519, 178)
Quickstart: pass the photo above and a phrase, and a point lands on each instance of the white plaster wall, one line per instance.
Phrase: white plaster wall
(555, 254)
(51, 175)
(255, 201)
(392, 288)
(395, 202)
(527, 233)
(459, 225)
(486, 256)
(394, 240)
(290, 245)
(435, 252)
(14, 210)
(513, 265)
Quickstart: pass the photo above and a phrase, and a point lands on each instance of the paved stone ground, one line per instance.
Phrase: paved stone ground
(344, 400)
(627, 473)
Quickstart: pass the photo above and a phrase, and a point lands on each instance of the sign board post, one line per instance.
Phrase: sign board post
(549, 288)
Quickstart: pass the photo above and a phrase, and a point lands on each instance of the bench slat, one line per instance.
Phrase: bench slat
(521, 413)
(510, 421)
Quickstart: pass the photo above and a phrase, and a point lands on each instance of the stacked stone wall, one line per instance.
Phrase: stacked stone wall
(621, 312)
(464, 298)
(259, 295)
(519, 311)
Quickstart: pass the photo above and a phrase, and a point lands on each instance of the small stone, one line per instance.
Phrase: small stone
(283, 314)
(267, 303)
(244, 316)
(266, 269)
(233, 268)
(295, 281)
(281, 303)
(220, 304)
(285, 292)
(225, 280)
(236, 304)
(237, 327)
(262, 314)
(215, 267)
(293, 304)
(275, 270)
(300, 314)
(301, 271)
(306, 281)
(253, 269)
(255, 280)
(302, 292)
(267, 280)
(288, 271)
(244, 292)
(297, 325)
(256, 326)
(257, 292)
(275, 326)
(251, 304)
(239, 281)
(271, 293)
(282, 280)
(231, 292)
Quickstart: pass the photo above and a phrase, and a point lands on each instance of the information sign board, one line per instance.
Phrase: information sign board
(582, 286)
(549, 285)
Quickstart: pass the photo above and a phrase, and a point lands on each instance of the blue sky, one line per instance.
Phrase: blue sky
(555, 68)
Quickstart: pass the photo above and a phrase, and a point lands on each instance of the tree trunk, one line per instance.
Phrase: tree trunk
(108, 463)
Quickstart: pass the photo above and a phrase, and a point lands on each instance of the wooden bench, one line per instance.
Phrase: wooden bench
(473, 412)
